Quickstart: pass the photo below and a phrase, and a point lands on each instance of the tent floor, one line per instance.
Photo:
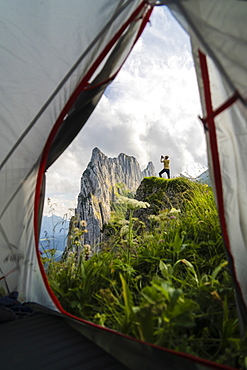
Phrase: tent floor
(43, 341)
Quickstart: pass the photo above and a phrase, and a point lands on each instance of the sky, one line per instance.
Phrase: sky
(150, 109)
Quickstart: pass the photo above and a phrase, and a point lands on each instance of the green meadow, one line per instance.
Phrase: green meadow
(160, 275)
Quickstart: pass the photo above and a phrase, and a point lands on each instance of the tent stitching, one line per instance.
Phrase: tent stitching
(221, 109)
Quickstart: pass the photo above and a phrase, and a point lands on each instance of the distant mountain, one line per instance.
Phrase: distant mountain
(193, 171)
(204, 178)
(53, 233)
(197, 173)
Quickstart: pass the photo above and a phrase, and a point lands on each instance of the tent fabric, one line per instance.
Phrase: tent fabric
(219, 42)
(56, 60)
(50, 340)
(45, 341)
(49, 55)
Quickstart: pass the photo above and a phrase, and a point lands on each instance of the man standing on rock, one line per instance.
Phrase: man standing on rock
(166, 168)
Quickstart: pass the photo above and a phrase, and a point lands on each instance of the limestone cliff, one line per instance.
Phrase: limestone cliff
(104, 178)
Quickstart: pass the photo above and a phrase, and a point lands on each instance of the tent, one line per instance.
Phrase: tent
(57, 58)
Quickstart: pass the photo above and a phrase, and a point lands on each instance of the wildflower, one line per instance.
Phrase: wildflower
(132, 203)
(124, 230)
(172, 217)
(174, 210)
(161, 241)
(83, 223)
(87, 248)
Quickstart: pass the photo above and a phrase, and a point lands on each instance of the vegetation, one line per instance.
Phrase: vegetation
(161, 275)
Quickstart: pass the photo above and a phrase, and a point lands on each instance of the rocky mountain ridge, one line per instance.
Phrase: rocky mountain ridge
(102, 180)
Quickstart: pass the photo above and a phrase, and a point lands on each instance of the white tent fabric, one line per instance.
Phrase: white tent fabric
(51, 51)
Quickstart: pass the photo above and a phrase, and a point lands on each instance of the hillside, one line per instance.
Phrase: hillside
(164, 195)
(161, 275)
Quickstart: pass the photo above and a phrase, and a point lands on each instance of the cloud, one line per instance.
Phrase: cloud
(150, 109)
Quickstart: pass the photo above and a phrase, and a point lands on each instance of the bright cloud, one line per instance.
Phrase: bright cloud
(150, 109)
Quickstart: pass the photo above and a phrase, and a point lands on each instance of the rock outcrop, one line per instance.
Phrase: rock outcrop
(102, 180)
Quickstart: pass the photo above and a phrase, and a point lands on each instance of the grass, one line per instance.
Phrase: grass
(161, 275)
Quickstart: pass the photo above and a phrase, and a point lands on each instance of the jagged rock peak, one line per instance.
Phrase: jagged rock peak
(150, 169)
(103, 178)
(102, 171)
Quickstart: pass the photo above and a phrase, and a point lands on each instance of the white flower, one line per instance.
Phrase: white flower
(132, 203)
(83, 223)
(174, 210)
(124, 230)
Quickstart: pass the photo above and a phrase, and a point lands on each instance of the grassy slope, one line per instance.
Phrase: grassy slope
(161, 275)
